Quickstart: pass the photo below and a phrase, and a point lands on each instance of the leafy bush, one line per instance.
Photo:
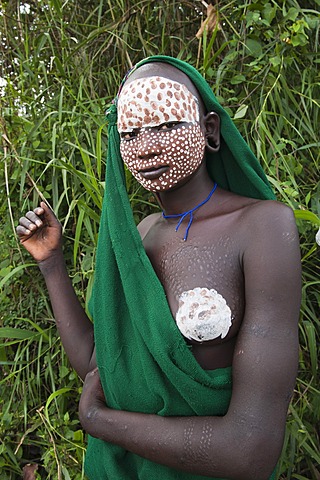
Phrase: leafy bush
(59, 70)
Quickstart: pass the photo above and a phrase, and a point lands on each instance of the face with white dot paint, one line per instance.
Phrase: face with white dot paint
(161, 139)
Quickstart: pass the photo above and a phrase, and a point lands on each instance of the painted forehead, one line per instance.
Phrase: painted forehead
(152, 101)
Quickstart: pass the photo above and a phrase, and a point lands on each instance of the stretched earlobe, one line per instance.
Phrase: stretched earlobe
(211, 123)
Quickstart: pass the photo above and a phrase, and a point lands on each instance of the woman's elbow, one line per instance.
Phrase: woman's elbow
(260, 453)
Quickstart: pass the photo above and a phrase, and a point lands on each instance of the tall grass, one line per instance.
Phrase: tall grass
(62, 63)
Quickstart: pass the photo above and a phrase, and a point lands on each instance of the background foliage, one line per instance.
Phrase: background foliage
(60, 65)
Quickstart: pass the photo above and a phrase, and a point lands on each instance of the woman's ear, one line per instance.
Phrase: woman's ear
(211, 122)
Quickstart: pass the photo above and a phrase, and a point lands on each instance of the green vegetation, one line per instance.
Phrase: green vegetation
(60, 65)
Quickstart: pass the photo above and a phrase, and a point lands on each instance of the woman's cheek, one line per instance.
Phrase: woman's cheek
(128, 156)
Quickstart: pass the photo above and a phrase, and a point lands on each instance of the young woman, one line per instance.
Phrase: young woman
(195, 312)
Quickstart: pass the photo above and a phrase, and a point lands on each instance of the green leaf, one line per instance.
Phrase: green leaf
(292, 14)
(275, 61)
(78, 436)
(17, 269)
(254, 47)
(307, 215)
(241, 112)
(238, 79)
(63, 371)
(17, 333)
(54, 395)
(269, 13)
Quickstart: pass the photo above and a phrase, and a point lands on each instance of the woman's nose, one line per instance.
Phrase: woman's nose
(149, 144)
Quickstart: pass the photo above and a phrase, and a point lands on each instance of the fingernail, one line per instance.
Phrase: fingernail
(38, 223)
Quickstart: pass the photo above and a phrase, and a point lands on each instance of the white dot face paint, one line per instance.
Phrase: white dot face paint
(161, 139)
(203, 315)
(161, 159)
(152, 101)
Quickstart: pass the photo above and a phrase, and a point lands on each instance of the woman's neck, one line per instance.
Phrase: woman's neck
(188, 195)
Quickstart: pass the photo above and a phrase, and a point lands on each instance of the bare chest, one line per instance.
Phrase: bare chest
(204, 285)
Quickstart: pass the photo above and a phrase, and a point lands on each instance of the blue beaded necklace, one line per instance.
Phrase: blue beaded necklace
(189, 212)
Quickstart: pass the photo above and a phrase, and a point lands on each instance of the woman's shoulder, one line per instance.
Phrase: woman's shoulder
(148, 222)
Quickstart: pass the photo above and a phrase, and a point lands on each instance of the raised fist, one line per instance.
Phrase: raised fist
(40, 233)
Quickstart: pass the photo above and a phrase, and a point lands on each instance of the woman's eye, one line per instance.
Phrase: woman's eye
(128, 135)
(168, 125)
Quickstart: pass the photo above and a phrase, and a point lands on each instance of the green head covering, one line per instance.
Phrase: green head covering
(234, 167)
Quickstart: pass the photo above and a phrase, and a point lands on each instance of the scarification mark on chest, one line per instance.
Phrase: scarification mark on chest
(213, 265)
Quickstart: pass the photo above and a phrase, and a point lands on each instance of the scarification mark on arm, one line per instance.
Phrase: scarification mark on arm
(195, 449)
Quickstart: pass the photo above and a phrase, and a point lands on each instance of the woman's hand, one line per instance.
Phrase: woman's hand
(92, 402)
(40, 233)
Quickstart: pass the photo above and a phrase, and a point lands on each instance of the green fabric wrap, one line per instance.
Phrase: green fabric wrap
(144, 363)
(234, 167)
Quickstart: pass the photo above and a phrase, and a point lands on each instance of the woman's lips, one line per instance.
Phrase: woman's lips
(152, 173)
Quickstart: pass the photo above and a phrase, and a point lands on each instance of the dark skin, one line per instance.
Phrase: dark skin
(248, 251)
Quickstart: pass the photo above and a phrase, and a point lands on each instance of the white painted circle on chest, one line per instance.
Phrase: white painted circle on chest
(203, 314)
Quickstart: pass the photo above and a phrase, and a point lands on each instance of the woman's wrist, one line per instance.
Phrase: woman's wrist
(52, 263)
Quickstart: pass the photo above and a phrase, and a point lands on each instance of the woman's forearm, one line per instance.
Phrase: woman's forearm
(206, 446)
(74, 326)
(235, 446)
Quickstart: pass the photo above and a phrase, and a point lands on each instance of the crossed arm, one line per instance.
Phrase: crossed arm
(247, 441)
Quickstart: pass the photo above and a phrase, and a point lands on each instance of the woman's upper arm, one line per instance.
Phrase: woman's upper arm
(266, 354)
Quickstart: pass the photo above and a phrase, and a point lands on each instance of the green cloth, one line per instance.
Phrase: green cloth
(234, 167)
(144, 362)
